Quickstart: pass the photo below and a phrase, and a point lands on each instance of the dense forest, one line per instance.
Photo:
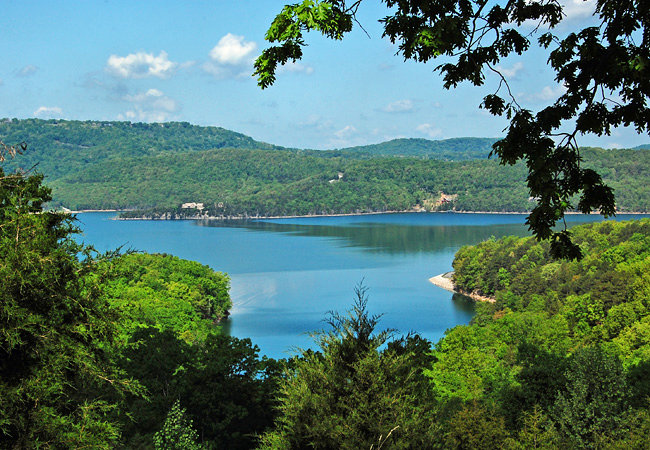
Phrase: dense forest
(155, 168)
(455, 149)
(110, 350)
(258, 183)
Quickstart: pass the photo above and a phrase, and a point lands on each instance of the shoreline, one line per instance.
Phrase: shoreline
(166, 216)
(445, 282)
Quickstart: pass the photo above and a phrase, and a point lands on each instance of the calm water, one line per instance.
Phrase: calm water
(288, 273)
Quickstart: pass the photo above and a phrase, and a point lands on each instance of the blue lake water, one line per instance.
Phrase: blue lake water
(286, 274)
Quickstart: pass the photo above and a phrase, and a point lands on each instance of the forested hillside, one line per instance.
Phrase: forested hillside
(62, 147)
(258, 183)
(455, 149)
(564, 352)
(157, 167)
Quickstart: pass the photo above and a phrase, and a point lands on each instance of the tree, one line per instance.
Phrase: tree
(605, 69)
(55, 329)
(595, 400)
(177, 432)
(352, 393)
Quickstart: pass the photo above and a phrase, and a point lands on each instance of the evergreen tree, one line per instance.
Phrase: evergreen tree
(354, 394)
(54, 328)
(177, 432)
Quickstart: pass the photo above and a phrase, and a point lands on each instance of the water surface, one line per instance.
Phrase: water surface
(288, 273)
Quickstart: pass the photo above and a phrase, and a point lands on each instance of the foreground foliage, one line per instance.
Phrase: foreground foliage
(223, 385)
(352, 392)
(56, 328)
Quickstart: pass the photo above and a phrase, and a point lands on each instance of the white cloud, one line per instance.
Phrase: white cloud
(512, 71)
(399, 106)
(232, 57)
(578, 9)
(429, 130)
(232, 50)
(150, 106)
(48, 112)
(550, 93)
(296, 68)
(345, 132)
(141, 65)
(27, 71)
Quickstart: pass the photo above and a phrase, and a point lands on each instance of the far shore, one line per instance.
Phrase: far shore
(205, 217)
(444, 281)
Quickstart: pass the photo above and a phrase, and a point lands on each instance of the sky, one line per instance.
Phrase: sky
(156, 61)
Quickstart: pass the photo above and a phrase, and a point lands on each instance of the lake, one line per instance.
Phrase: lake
(286, 274)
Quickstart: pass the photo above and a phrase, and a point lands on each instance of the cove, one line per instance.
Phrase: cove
(288, 273)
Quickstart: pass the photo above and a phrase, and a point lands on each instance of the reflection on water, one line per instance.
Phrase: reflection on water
(463, 303)
(401, 233)
(384, 238)
(286, 274)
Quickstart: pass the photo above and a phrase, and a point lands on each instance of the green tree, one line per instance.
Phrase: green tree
(476, 427)
(352, 393)
(177, 432)
(595, 399)
(596, 64)
(55, 328)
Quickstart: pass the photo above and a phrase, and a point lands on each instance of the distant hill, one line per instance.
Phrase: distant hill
(122, 165)
(642, 147)
(61, 147)
(456, 149)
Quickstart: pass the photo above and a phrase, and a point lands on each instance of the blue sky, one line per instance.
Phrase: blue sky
(191, 61)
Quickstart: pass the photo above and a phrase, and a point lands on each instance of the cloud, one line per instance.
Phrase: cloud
(141, 65)
(345, 132)
(578, 9)
(48, 112)
(429, 130)
(232, 50)
(399, 106)
(232, 57)
(27, 71)
(294, 67)
(150, 106)
(549, 93)
(512, 71)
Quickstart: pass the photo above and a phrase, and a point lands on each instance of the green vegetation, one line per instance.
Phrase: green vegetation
(564, 343)
(167, 292)
(257, 183)
(560, 361)
(357, 391)
(107, 351)
(455, 149)
(95, 350)
(154, 168)
(224, 387)
(56, 329)
(62, 147)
